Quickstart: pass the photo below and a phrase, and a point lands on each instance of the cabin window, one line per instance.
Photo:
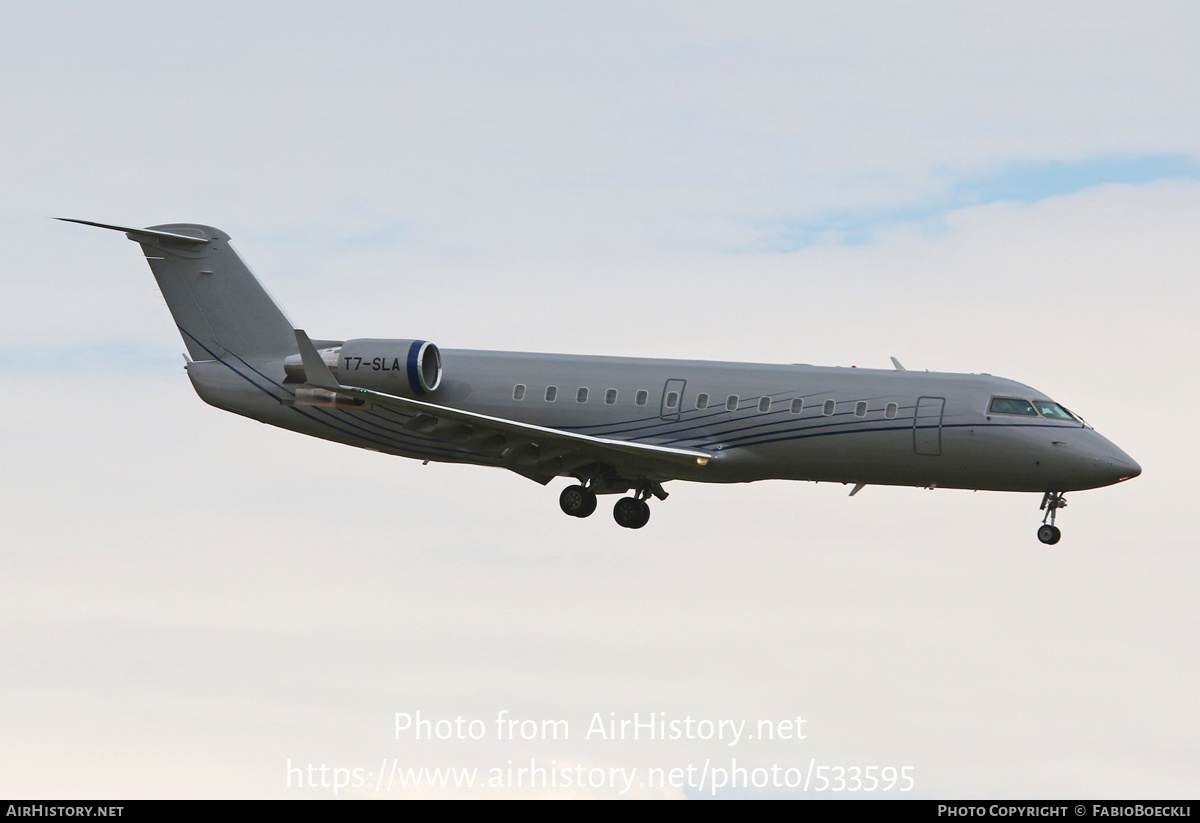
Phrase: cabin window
(764, 404)
(798, 405)
(551, 393)
(519, 391)
(860, 408)
(672, 399)
(1011, 405)
(890, 411)
(702, 401)
(610, 396)
(828, 408)
(1052, 410)
(731, 402)
(581, 396)
(640, 397)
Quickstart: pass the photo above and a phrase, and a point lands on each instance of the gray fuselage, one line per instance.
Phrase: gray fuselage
(793, 422)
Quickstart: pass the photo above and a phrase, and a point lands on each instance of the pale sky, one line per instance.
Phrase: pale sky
(189, 600)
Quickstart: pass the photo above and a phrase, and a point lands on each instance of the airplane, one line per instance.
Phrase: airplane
(615, 424)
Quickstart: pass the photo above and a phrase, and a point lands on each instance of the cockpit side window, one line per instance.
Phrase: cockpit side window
(1011, 405)
(1052, 410)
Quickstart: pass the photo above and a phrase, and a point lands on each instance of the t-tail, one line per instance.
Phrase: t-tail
(217, 302)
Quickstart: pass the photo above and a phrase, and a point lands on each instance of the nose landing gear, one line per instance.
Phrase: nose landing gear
(1048, 533)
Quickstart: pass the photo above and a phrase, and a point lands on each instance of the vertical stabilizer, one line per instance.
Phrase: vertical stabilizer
(217, 302)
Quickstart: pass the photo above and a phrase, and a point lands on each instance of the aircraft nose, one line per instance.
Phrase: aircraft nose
(1126, 466)
(1115, 464)
(1087, 460)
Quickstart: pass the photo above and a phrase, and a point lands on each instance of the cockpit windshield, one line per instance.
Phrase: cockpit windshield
(1017, 405)
(1011, 405)
(1052, 410)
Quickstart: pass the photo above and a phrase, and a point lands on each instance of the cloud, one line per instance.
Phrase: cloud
(1021, 181)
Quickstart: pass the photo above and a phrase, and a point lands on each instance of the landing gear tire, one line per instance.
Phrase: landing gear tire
(631, 513)
(577, 501)
(1049, 535)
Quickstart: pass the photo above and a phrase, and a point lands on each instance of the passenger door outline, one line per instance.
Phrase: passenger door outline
(927, 425)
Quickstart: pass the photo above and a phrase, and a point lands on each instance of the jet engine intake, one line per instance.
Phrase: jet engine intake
(409, 368)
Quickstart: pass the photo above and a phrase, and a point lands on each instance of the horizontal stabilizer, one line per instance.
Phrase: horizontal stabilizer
(138, 234)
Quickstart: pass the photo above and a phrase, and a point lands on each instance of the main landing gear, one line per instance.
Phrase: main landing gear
(1048, 533)
(629, 512)
(577, 501)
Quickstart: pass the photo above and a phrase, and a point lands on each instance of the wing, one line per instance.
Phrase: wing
(536, 452)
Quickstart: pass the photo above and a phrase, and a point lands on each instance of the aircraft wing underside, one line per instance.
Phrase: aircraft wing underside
(536, 452)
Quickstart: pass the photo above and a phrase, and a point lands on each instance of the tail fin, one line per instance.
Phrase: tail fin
(218, 304)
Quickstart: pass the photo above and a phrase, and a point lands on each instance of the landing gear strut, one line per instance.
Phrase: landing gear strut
(577, 501)
(1048, 533)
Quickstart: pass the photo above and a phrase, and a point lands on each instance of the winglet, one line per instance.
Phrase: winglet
(896, 363)
(134, 234)
(315, 371)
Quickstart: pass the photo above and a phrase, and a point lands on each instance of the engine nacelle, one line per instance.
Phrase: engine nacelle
(409, 368)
